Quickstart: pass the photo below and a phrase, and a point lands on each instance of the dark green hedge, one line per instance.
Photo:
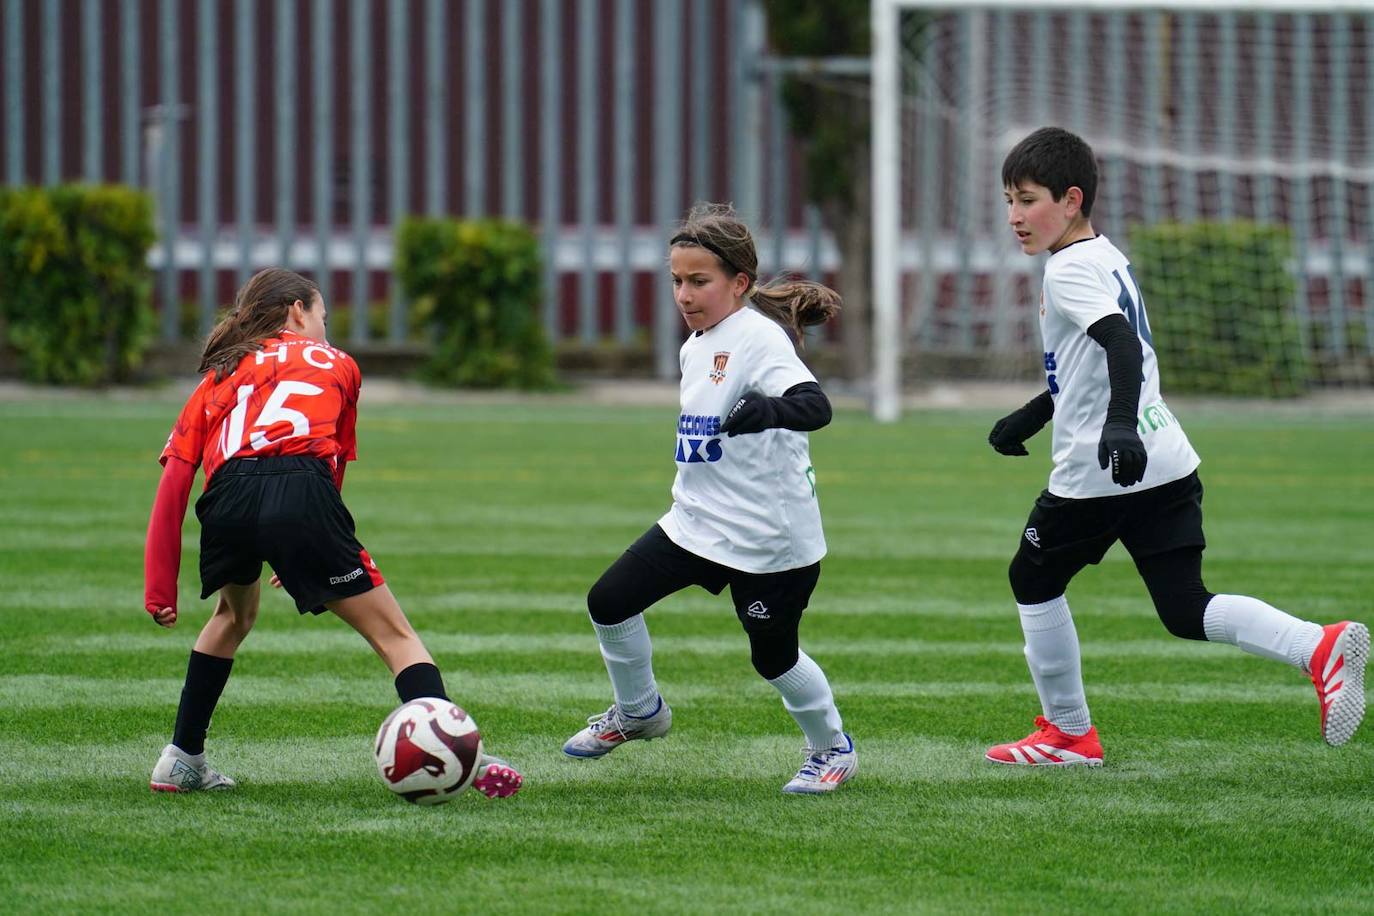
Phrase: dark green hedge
(479, 284)
(74, 281)
(1220, 302)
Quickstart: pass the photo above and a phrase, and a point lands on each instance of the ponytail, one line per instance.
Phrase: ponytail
(797, 304)
(259, 313)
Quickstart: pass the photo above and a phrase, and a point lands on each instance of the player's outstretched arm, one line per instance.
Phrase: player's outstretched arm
(162, 549)
(1120, 447)
(1009, 433)
(802, 407)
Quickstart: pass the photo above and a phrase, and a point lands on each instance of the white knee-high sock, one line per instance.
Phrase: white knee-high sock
(1052, 655)
(806, 695)
(629, 658)
(1261, 629)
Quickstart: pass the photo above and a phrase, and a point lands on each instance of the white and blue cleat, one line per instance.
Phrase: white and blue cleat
(612, 728)
(824, 771)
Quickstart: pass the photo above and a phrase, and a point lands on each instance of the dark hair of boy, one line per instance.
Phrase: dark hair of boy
(1058, 160)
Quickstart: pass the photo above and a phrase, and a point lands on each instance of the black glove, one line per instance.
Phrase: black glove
(752, 413)
(1120, 447)
(1011, 431)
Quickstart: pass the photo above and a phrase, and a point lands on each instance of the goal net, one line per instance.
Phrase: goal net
(1236, 166)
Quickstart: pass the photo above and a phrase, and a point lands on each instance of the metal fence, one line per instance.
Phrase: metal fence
(1195, 114)
(300, 132)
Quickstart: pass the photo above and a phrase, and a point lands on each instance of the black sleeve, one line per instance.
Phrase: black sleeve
(1041, 407)
(802, 407)
(1125, 367)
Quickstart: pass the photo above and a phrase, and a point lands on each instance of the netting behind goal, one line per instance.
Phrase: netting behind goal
(1236, 170)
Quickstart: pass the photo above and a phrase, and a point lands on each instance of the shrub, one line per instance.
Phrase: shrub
(1219, 297)
(479, 284)
(75, 282)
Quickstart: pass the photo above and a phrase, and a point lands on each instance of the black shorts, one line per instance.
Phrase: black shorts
(763, 601)
(1064, 534)
(286, 512)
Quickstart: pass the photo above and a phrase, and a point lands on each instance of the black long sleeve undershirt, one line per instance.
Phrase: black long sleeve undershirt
(1041, 407)
(803, 407)
(1125, 367)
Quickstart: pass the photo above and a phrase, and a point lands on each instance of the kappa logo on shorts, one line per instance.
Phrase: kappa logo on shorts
(1033, 536)
(758, 610)
(717, 373)
(349, 577)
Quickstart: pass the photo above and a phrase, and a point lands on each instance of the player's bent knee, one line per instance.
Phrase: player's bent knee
(773, 654)
(1182, 613)
(239, 606)
(1031, 584)
(1176, 587)
(773, 666)
(605, 604)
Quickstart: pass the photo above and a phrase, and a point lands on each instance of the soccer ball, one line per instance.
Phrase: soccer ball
(428, 750)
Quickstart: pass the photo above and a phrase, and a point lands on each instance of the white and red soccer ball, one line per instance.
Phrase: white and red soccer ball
(428, 751)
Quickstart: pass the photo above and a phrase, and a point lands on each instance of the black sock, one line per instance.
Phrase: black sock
(206, 676)
(420, 680)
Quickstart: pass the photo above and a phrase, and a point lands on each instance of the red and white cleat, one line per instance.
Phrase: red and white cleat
(498, 779)
(1337, 668)
(1050, 747)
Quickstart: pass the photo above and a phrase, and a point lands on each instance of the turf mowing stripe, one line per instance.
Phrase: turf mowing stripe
(907, 760)
(31, 692)
(340, 640)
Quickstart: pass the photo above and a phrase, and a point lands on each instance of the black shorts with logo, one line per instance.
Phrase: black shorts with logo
(284, 511)
(654, 567)
(1063, 535)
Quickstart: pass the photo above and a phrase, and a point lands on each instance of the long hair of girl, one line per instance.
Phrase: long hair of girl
(259, 313)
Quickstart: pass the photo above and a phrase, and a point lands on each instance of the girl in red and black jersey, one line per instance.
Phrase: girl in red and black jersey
(273, 423)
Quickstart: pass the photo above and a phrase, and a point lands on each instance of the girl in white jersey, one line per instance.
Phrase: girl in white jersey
(744, 510)
(1113, 430)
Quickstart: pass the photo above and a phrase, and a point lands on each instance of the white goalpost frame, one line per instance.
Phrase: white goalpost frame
(885, 21)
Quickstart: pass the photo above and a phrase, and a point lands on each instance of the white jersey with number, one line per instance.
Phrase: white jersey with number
(748, 501)
(1085, 282)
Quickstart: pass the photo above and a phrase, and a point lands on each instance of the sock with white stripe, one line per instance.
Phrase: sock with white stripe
(806, 695)
(1052, 655)
(629, 658)
(1261, 629)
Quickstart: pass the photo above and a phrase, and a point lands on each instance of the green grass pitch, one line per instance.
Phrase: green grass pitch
(492, 520)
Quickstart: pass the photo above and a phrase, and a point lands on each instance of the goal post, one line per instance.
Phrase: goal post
(1236, 145)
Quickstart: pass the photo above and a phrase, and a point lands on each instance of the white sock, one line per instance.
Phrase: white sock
(1052, 655)
(806, 695)
(1261, 629)
(629, 660)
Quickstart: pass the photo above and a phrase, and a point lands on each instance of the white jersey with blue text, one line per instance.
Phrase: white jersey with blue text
(749, 501)
(1085, 282)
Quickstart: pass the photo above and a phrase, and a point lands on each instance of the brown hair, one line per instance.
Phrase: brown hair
(792, 303)
(259, 313)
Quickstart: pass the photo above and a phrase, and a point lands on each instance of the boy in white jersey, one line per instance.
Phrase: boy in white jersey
(1112, 430)
(744, 510)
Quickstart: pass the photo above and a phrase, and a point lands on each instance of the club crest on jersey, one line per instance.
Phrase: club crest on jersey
(717, 373)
